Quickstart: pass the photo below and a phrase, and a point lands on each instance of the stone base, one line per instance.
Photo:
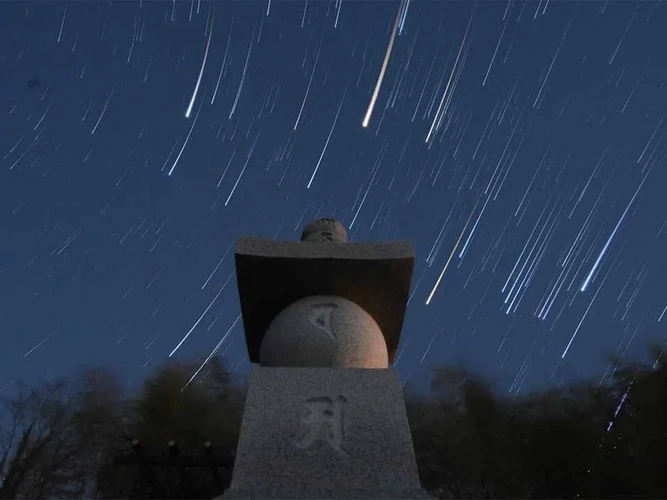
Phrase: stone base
(324, 433)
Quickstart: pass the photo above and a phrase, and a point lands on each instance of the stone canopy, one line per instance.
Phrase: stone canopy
(271, 275)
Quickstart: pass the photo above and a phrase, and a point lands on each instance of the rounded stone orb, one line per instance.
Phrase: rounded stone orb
(324, 229)
(324, 331)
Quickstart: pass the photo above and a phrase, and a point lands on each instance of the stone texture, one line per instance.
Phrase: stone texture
(324, 331)
(296, 441)
(273, 274)
(324, 417)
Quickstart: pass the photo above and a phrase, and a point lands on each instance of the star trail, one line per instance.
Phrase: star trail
(519, 145)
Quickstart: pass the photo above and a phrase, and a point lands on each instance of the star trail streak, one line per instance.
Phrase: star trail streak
(385, 62)
(521, 146)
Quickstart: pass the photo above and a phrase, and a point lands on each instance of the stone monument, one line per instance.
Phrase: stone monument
(324, 416)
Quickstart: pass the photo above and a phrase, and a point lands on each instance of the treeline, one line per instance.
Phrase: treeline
(63, 439)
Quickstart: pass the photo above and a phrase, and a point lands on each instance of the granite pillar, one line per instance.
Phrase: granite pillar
(324, 415)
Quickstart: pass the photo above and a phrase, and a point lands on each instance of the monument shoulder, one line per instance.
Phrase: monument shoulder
(264, 247)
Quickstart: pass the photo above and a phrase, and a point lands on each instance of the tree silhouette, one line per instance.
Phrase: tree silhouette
(170, 409)
(52, 436)
(587, 440)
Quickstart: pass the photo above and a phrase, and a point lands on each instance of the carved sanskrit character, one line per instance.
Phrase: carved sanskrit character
(321, 316)
(326, 423)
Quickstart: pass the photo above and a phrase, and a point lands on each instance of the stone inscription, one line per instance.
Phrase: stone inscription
(321, 316)
(325, 423)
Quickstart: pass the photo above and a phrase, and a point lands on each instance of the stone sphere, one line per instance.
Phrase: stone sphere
(324, 331)
(324, 229)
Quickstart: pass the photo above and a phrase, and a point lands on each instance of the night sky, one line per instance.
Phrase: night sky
(520, 146)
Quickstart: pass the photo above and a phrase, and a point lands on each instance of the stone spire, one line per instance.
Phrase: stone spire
(324, 415)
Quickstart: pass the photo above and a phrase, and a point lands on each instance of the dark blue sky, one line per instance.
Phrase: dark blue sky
(525, 139)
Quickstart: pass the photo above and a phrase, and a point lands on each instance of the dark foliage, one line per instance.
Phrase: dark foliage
(584, 441)
(68, 439)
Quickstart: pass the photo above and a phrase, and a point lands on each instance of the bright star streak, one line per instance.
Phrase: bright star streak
(451, 255)
(387, 55)
(593, 270)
